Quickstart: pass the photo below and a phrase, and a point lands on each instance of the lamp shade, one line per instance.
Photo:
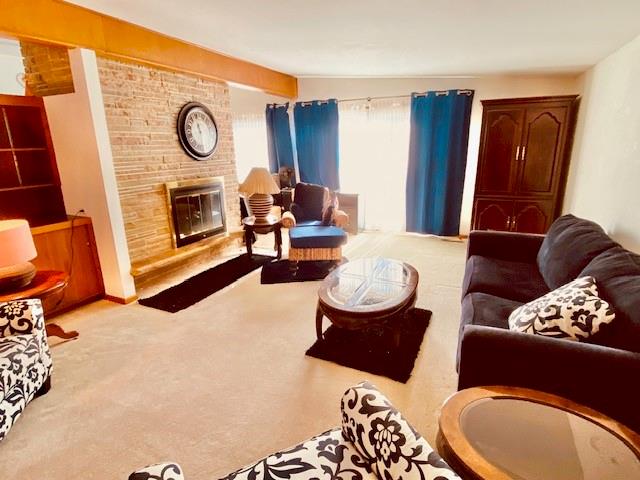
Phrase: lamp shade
(259, 180)
(16, 243)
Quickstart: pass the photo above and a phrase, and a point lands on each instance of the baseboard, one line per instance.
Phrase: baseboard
(123, 301)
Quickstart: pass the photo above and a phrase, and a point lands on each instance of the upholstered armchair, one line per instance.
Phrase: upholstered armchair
(25, 360)
(374, 441)
(316, 228)
(309, 204)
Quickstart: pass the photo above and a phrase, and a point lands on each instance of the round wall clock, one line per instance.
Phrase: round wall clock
(197, 130)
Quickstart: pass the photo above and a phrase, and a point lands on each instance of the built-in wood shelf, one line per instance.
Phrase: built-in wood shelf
(29, 180)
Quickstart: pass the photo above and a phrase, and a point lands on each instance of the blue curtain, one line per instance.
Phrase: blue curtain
(281, 149)
(437, 161)
(316, 125)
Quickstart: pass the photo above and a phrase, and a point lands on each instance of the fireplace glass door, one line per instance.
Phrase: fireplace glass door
(197, 213)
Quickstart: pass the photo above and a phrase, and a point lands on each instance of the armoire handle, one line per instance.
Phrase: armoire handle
(524, 149)
(518, 153)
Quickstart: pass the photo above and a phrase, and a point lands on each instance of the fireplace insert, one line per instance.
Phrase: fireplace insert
(197, 209)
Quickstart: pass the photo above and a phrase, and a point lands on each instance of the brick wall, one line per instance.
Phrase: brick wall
(46, 69)
(142, 105)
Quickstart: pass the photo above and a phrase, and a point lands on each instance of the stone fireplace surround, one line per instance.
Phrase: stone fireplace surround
(141, 107)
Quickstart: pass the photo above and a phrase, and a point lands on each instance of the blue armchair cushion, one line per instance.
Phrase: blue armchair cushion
(317, 237)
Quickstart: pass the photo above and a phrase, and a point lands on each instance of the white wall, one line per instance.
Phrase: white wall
(83, 153)
(11, 67)
(485, 88)
(604, 177)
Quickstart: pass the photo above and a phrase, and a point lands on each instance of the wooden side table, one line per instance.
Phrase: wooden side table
(504, 433)
(45, 284)
(251, 227)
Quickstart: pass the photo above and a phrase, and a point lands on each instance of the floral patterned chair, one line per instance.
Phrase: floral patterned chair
(25, 361)
(374, 442)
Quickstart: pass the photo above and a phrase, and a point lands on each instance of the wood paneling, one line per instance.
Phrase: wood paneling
(523, 162)
(60, 23)
(55, 244)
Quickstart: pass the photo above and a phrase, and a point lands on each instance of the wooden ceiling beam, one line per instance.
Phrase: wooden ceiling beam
(61, 23)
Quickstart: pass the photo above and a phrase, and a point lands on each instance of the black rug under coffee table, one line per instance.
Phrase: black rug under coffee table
(202, 285)
(371, 351)
(284, 271)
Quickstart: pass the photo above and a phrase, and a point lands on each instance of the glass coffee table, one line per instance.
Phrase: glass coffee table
(516, 433)
(368, 293)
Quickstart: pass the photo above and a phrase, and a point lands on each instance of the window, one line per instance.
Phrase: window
(374, 152)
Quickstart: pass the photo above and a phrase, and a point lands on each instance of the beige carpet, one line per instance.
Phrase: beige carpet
(223, 382)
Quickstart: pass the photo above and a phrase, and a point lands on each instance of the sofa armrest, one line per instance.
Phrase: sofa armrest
(519, 247)
(21, 317)
(375, 428)
(599, 377)
(340, 219)
(164, 471)
(288, 220)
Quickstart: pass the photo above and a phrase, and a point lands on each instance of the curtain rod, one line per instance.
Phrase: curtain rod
(368, 99)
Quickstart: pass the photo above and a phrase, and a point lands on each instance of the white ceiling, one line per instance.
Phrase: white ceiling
(395, 38)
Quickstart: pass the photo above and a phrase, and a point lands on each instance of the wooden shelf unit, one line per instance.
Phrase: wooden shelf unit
(29, 179)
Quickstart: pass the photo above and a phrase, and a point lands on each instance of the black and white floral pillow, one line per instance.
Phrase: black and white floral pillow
(573, 311)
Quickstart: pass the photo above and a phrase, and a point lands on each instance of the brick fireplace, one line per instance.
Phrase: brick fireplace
(141, 106)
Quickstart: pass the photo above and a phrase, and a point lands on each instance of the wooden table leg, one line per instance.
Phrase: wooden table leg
(248, 240)
(278, 235)
(55, 330)
(319, 317)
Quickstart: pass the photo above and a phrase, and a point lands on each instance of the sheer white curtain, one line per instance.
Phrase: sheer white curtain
(374, 152)
(250, 143)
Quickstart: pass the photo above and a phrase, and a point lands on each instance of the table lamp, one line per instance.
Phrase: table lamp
(259, 185)
(16, 249)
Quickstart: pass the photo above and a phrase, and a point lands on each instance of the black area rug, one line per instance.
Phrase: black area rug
(283, 271)
(371, 351)
(204, 284)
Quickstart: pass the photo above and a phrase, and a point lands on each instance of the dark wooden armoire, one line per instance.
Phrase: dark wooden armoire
(525, 146)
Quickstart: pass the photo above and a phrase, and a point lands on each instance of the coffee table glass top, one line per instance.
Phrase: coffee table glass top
(530, 440)
(370, 281)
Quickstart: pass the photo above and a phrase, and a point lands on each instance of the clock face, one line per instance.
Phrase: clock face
(197, 130)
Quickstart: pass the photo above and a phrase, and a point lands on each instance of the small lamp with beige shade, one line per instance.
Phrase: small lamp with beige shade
(259, 185)
(16, 249)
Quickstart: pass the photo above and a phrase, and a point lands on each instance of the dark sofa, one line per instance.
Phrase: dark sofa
(505, 270)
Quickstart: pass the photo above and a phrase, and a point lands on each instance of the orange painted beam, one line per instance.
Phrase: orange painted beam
(61, 23)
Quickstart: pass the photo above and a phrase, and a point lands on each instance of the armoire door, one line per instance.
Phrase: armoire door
(531, 216)
(492, 214)
(541, 149)
(500, 144)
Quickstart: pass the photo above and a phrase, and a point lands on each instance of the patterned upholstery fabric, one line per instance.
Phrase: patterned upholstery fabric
(160, 471)
(375, 442)
(382, 435)
(25, 360)
(327, 455)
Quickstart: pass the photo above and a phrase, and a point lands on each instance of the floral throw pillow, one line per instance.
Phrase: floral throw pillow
(573, 311)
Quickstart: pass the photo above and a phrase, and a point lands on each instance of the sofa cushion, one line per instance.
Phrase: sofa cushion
(485, 310)
(571, 243)
(383, 437)
(327, 455)
(573, 312)
(519, 281)
(617, 272)
(310, 199)
(317, 237)
(309, 223)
